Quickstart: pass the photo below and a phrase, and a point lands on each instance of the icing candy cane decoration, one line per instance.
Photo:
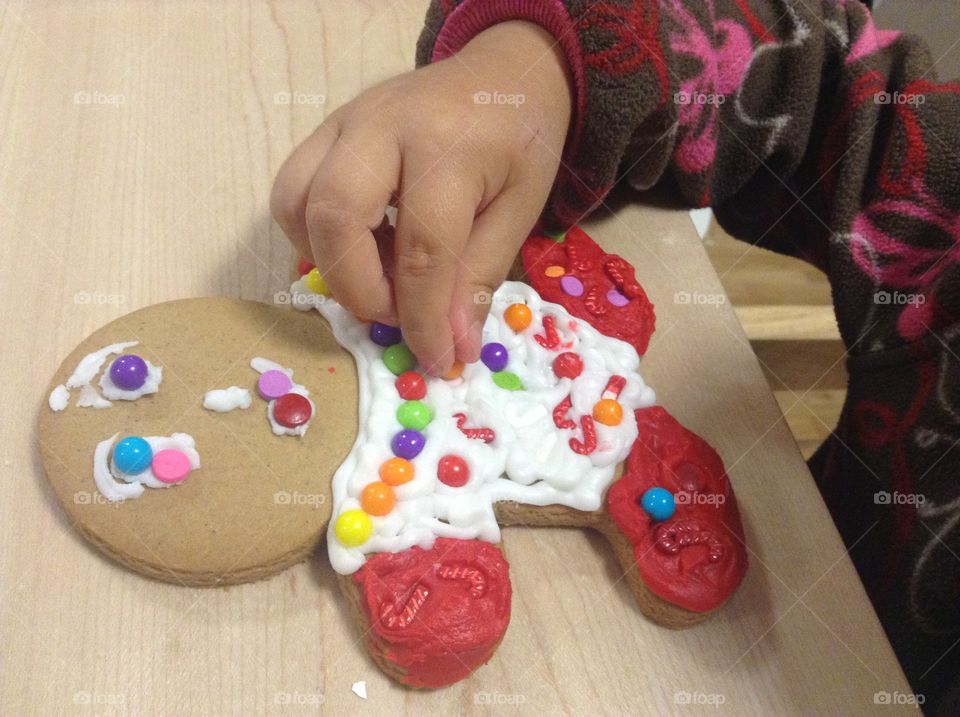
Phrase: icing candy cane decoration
(596, 305)
(560, 419)
(614, 386)
(589, 443)
(674, 536)
(620, 273)
(486, 435)
(550, 339)
(391, 618)
(477, 580)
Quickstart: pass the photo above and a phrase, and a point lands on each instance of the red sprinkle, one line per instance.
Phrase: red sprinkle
(453, 471)
(303, 266)
(568, 365)
(292, 410)
(486, 435)
(411, 386)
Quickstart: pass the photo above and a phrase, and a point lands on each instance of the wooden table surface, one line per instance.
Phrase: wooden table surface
(138, 142)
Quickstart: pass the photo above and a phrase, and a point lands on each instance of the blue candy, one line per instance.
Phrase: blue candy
(658, 503)
(132, 455)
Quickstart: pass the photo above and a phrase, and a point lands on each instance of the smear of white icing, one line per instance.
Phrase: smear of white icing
(223, 400)
(530, 461)
(83, 375)
(115, 485)
(262, 365)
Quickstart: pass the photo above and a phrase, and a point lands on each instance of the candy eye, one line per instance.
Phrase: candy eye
(571, 285)
(616, 298)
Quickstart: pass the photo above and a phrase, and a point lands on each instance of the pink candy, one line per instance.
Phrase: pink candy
(274, 384)
(170, 466)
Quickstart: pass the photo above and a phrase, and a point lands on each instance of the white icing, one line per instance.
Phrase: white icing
(262, 365)
(59, 398)
(115, 485)
(83, 375)
(530, 461)
(223, 400)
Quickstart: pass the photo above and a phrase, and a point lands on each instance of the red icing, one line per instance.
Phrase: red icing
(550, 338)
(599, 272)
(589, 443)
(437, 614)
(487, 435)
(697, 558)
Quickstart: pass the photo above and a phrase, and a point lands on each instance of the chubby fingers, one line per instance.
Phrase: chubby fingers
(434, 220)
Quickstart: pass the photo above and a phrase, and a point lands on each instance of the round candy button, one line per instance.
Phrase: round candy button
(658, 503)
(292, 410)
(518, 317)
(273, 384)
(568, 365)
(407, 444)
(453, 471)
(571, 285)
(132, 455)
(411, 386)
(353, 528)
(494, 356)
(170, 466)
(554, 271)
(608, 412)
(414, 415)
(384, 334)
(399, 359)
(508, 380)
(377, 498)
(616, 298)
(396, 471)
(129, 372)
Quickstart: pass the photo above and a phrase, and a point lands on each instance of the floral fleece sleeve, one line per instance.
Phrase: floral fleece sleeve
(814, 134)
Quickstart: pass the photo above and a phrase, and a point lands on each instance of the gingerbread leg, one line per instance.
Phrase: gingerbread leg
(431, 617)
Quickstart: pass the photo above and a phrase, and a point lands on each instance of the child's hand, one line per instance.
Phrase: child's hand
(467, 149)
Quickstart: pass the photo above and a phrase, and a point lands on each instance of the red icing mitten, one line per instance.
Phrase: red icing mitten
(696, 558)
(435, 615)
(592, 285)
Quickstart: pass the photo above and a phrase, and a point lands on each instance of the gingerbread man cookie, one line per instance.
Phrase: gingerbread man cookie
(413, 475)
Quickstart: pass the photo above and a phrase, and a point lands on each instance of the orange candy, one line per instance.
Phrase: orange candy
(554, 271)
(377, 498)
(396, 471)
(518, 317)
(608, 412)
(454, 371)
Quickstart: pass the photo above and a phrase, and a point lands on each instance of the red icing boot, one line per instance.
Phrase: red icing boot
(435, 615)
(696, 558)
(592, 285)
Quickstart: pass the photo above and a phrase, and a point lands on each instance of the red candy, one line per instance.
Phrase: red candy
(453, 471)
(304, 266)
(631, 321)
(411, 386)
(697, 558)
(436, 614)
(568, 365)
(292, 410)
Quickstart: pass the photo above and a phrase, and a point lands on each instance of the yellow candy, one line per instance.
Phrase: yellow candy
(315, 282)
(353, 528)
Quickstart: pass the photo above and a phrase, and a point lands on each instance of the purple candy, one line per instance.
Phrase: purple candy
(129, 372)
(616, 298)
(494, 356)
(383, 335)
(571, 285)
(274, 384)
(408, 444)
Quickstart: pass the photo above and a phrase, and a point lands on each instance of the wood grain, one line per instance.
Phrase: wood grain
(139, 144)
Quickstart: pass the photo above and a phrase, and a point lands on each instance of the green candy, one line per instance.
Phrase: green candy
(415, 415)
(557, 236)
(398, 358)
(508, 380)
